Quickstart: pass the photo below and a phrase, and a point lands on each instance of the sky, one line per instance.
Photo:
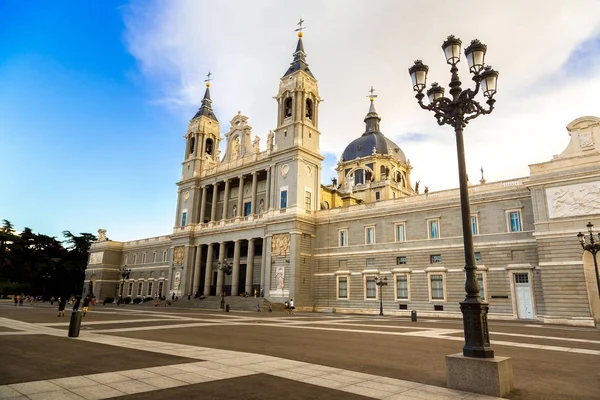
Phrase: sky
(95, 97)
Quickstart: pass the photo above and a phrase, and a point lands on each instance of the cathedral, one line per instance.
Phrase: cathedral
(256, 219)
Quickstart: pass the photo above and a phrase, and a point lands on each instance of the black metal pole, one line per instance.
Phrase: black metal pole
(380, 299)
(596, 270)
(477, 339)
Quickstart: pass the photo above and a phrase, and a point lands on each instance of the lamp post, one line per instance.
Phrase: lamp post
(227, 269)
(456, 111)
(593, 247)
(381, 283)
(125, 273)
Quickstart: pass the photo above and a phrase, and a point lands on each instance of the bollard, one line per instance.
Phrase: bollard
(75, 324)
(413, 316)
(227, 308)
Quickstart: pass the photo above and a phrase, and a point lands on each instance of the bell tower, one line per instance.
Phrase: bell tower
(201, 151)
(298, 104)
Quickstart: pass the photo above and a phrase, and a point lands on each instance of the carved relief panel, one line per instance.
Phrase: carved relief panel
(572, 200)
(178, 254)
(96, 258)
(281, 245)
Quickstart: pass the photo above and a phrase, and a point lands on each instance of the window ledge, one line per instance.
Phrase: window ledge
(439, 268)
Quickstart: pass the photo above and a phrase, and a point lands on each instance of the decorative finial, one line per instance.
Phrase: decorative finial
(482, 181)
(300, 27)
(372, 96)
(208, 79)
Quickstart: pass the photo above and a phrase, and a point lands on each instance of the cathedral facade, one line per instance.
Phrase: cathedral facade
(258, 220)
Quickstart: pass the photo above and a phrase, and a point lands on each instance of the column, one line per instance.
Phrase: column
(240, 201)
(213, 207)
(253, 201)
(268, 190)
(196, 285)
(235, 277)
(226, 199)
(208, 274)
(294, 273)
(220, 275)
(267, 267)
(263, 266)
(203, 205)
(250, 267)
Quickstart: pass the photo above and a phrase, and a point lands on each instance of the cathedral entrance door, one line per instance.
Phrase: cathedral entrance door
(242, 281)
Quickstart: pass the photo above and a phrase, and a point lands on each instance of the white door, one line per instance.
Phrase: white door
(523, 296)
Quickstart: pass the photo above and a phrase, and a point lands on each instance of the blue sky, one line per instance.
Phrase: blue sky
(96, 96)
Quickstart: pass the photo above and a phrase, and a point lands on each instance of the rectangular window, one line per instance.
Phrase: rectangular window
(514, 221)
(126, 258)
(154, 257)
(161, 284)
(400, 232)
(370, 235)
(434, 228)
(371, 287)
(342, 287)
(477, 256)
(437, 286)
(164, 258)
(130, 289)
(401, 260)
(143, 258)
(135, 258)
(139, 291)
(435, 258)
(402, 287)
(377, 196)
(308, 200)
(474, 225)
(343, 237)
(481, 286)
(370, 262)
(183, 218)
(149, 291)
(283, 199)
(247, 208)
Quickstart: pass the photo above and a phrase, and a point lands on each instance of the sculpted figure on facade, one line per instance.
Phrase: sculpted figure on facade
(281, 245)
(101, 235)
(270, 138)
(582, 199)
(235, 148)
(280, 276)
(256, 144)
(261, 206)
(178, 254)
(177, 280)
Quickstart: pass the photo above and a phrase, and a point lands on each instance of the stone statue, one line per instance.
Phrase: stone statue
(417, 187)
(218, 155)
(270, 138)
(374, 150)
(261, 206)
(334, 182)
(280, 275)
(256, 144)
(235, 210)
(426, 189)
(101, 235)
(235, 148)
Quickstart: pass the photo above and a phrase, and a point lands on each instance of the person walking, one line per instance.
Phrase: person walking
(291, 306)
(61, 306)
(86, 304)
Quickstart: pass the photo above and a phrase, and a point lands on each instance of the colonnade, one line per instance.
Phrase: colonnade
(226, 187)
(206, 257)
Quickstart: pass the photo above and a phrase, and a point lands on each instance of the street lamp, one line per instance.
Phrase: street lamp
(125, 273)
(456, 111)
(593, 247)
(380, 283)
(226, 267)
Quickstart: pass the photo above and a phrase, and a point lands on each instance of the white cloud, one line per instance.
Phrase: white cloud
(352, 45)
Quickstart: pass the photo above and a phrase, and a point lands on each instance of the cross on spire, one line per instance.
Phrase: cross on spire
(300, 27)
(372, 96)
(208, 79)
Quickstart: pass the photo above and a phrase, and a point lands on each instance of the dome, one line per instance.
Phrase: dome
(372, 139)
(363, 147)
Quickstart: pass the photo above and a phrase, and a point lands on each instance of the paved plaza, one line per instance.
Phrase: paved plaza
(138, 352)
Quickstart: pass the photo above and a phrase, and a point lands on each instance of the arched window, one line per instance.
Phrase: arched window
(309, 109)
(359, 177)
(382, 171)
(209, 147)
(192, 144)
(288, 107)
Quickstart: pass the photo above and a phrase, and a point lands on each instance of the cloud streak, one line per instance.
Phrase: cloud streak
(546, 52)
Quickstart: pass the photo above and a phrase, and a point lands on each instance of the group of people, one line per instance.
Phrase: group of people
(22, 298)
(289, 306)
(76, 301)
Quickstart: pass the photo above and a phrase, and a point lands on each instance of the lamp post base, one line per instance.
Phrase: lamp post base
(489, 376)
(477, 340)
